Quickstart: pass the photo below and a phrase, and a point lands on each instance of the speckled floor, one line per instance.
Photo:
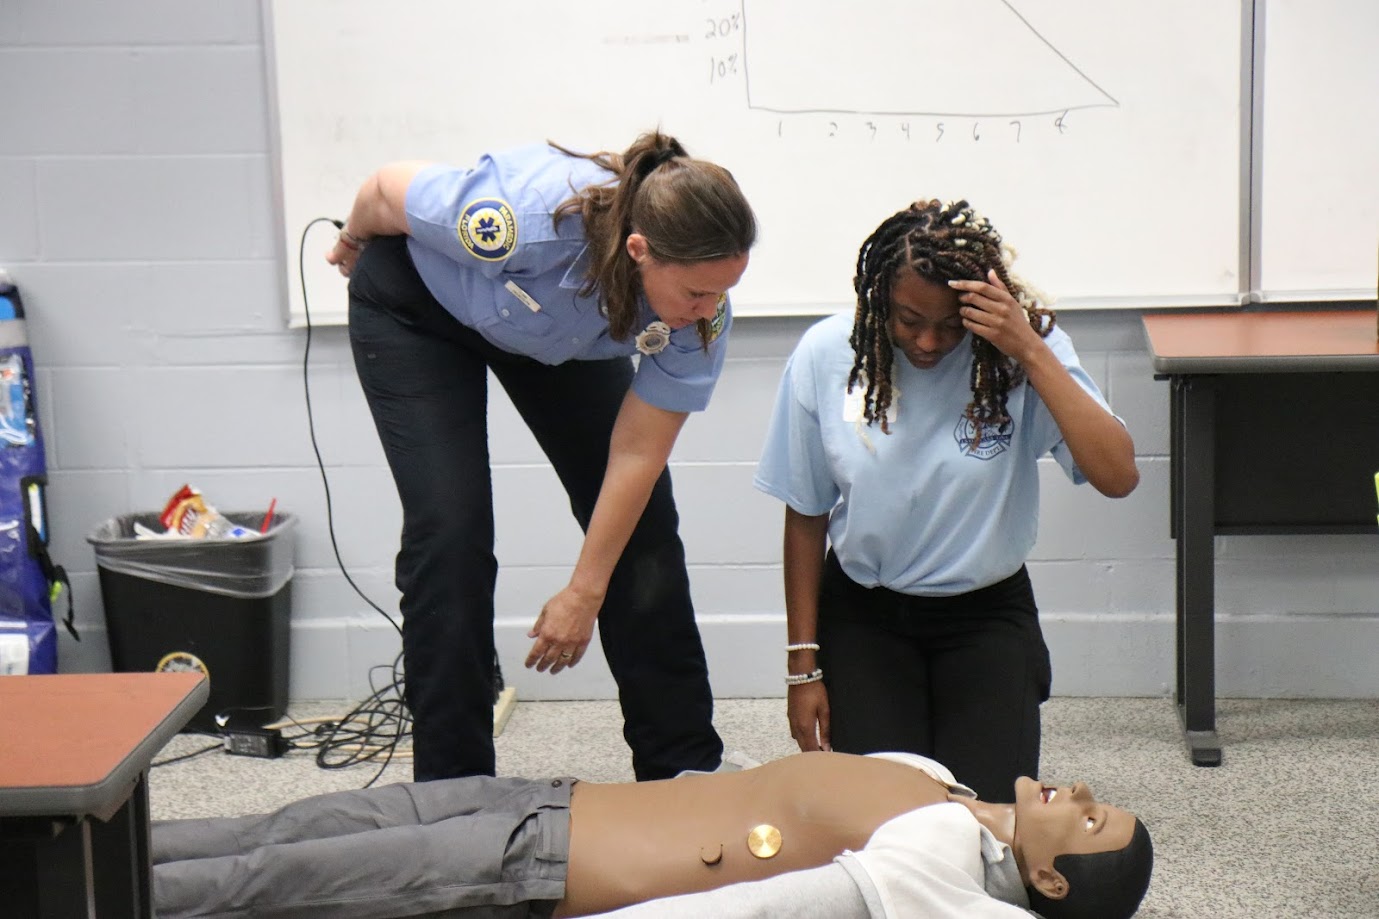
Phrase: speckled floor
(1287, 826)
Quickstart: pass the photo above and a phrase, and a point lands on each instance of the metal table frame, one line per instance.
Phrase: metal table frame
(1265, 438)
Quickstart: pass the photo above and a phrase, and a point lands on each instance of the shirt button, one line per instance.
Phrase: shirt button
(505, 312)
(555, 783)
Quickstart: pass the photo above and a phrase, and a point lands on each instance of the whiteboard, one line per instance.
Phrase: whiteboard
(1102, 137)
(1319, 159)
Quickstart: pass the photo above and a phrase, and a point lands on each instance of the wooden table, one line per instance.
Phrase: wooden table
(74, 757)
(1274, 429)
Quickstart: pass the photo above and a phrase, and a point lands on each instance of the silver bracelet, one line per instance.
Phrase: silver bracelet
(799, 679)
(803, 646)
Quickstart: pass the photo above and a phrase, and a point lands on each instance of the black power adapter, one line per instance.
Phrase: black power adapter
(266, 743)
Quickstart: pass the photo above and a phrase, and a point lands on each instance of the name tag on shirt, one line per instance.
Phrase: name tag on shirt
(525, 297)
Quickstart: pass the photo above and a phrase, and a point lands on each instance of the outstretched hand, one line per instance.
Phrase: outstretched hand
(563, 630)
(990, 311)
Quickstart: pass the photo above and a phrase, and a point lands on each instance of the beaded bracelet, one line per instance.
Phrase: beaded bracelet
(803, 646)
(799, 679)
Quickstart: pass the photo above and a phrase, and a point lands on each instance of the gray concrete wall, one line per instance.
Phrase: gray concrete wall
(137, 214)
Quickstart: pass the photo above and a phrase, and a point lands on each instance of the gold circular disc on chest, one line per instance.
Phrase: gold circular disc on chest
(763, 841)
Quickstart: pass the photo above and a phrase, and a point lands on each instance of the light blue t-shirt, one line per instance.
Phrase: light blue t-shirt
(919, 510)
(484, 242)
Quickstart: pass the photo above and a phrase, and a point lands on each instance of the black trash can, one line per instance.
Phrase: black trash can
(219, 606)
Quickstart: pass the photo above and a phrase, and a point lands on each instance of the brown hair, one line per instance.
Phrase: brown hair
(940, 243)
(689, 210)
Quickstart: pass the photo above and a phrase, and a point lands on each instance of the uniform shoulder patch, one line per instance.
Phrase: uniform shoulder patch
(487, 229)
(719, 316)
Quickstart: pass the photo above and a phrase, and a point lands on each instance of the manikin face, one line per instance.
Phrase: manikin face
(1053, 821)
(925, 325)
(681, 293)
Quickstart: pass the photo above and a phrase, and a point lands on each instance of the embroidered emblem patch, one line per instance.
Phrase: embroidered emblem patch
(993, 444)
(654, 338)
(488, 229)
(716, 323)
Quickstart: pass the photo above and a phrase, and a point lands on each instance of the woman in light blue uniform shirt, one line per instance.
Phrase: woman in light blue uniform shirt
(912, 499)
(550, 269)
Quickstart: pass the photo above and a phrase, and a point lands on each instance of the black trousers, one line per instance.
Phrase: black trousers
(959, 679)
(425, 376)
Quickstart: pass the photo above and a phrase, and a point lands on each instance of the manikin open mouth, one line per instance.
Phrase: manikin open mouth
(1046, 794)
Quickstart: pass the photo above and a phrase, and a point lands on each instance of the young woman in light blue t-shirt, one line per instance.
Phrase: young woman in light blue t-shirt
(905, 442)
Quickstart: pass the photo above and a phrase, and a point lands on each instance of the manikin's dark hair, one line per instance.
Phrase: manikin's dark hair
(1102, 885)
(940, 243)
(689, 210)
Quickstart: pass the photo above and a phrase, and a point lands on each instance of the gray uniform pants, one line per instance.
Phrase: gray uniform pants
(470, 847)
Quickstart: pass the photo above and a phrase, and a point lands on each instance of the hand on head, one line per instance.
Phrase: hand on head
(989, 310)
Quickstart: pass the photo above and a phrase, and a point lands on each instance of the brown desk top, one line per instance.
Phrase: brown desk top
(1263, 341)
(77, 743)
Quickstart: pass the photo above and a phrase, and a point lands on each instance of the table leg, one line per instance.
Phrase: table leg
(45, 868)
(1194, 471)
(120, 859)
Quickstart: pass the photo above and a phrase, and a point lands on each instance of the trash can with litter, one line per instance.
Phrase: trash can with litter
(219, 606)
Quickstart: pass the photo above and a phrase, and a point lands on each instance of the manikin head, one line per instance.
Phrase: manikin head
(1079, 858)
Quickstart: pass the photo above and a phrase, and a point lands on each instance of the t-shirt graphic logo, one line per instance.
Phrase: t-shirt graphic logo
(994, 443)
(487, 229)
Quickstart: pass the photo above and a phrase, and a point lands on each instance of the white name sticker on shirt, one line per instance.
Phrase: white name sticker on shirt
(852, 403)
(525, 297)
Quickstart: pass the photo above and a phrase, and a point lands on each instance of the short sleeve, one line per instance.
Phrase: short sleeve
(461, 213)
(497, 217)
(1047, 437)
(794, 465)
(682, 376)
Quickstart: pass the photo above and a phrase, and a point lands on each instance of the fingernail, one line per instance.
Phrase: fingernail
(952, 283)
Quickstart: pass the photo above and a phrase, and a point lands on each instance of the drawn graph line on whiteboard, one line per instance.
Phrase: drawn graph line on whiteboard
(975, 58)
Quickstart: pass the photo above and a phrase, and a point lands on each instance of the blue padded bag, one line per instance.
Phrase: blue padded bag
(29, 581)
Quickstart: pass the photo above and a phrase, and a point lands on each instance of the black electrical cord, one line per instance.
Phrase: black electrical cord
(186, 756)
(363, 735)
(386, 707)
(311, 423)
(358, 733)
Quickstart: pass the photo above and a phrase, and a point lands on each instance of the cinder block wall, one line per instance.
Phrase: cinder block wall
(136, 213)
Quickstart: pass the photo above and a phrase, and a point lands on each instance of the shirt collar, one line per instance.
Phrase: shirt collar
(578, 272)
(1002, 878)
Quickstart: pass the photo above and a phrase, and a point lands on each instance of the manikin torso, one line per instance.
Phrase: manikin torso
(636, 842)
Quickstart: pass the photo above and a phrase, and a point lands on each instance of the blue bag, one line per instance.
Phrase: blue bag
(29, 581)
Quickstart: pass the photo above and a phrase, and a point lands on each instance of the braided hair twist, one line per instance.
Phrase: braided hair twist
(939, 242)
